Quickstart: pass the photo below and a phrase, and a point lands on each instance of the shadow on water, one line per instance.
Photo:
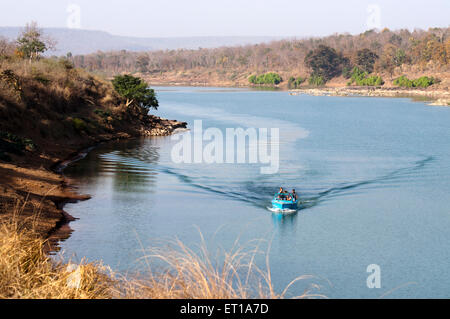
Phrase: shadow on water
(126, 162)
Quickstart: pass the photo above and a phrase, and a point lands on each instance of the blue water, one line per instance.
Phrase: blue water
(373, 176)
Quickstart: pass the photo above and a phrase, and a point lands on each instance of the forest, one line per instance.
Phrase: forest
(385, 53)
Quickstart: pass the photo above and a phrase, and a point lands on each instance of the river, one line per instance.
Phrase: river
(373, 175)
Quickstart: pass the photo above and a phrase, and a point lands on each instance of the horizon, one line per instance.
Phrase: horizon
(204, 19)
(225, 36)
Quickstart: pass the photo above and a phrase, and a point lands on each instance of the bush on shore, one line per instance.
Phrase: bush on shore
(362, 78)
(316, 80)
(267, 78)
(294, 83)
(422, 82)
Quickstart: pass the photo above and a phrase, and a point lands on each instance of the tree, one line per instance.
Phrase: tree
(31, 42)
(136, 91)
(324, 61)
(365, 59)
(142, 63)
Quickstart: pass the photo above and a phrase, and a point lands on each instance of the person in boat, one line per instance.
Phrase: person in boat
(281, 190)
(294, 195)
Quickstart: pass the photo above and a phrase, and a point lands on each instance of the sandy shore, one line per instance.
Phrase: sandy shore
(435, 97)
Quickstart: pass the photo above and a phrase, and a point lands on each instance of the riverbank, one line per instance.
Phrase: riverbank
(439, 95)
(435, 97)
(49, 113)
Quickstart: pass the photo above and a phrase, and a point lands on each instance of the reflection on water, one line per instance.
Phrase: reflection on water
(285, 222)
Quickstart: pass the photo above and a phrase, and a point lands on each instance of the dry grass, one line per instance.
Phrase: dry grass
(188, 274)
(27, 272)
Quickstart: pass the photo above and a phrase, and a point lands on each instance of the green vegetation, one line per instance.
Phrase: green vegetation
(31, 43)
(136, 91)
(294, 83)
(365, 59)
(422, 82)
(361, 78)
(325, 63)
(316, 80)
(267, 78)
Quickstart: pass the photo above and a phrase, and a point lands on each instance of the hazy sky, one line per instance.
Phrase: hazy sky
(227, 17)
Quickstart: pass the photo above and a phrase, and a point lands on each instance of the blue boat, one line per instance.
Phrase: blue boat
(284, 202)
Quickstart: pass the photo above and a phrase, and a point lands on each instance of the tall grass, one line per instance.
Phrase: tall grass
(27, 272)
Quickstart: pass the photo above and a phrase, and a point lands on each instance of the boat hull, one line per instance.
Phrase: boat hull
(284, 204)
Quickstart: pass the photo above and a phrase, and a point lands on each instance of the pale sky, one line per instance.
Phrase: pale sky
(179, 18)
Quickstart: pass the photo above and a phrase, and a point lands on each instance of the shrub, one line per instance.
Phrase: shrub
(267, 78)
(361, 78)
(347, 72)
(403, 81)
(422, 82)
(293, 83)
(316, 80)
(136, 91)
(325, 62)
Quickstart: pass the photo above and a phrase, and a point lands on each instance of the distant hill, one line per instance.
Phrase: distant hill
(87, 41)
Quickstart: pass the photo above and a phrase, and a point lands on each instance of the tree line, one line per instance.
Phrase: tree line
(319, 58)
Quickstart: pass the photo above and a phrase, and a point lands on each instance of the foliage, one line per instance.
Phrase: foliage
(267, 78)
(325, 62)
(316, 80)
(30, 42)
(135, 90)
(365, 59)
(362, 78)
(422, 82)
(294, 83)
(394, 49)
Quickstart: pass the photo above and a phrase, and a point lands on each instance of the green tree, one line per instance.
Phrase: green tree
(325, 62)
(316, 80)
(365, 59)
(136, 91)
(30, 42)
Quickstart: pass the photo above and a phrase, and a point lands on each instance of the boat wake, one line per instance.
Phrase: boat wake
(256, 192)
